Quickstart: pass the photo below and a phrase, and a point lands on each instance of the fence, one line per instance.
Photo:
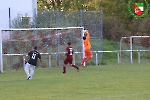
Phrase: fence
(90, 20)
(132, 44)
(96, 55)
(49, 61)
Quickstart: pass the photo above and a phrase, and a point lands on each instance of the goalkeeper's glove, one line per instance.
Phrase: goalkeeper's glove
(25, 61)
(84, 38)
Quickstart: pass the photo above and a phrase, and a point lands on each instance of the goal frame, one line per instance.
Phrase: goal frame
(131, 50)
(1, 53)
(24, 29)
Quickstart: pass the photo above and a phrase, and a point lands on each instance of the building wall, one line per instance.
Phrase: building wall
(10, 9)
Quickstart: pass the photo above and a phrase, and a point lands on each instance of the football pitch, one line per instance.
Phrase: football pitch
(103, 82)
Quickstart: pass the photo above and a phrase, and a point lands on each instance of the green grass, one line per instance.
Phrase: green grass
(103, 82)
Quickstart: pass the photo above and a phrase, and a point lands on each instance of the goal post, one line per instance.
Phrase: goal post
(134, 48)
(1, 54)
(51, 43)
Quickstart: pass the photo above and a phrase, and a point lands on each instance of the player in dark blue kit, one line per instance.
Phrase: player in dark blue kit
(69, 58)
(30, 66)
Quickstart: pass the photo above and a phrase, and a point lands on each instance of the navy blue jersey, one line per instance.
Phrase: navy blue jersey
(34, 55)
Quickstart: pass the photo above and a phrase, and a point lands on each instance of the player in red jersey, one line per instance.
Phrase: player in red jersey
(69, 58)
(87, 46)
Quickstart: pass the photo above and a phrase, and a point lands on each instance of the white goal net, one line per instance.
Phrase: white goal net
(51, 43)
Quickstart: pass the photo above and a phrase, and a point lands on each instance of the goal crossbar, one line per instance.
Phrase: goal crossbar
(26, 29)
(131, 40)
(57, 33)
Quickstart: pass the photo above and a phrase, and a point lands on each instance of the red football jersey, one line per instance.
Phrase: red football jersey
(69, 51)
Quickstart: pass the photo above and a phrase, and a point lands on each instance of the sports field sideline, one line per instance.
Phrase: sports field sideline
(103, 82)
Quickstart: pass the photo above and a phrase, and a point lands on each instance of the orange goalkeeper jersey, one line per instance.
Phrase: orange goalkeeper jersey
(87, 44)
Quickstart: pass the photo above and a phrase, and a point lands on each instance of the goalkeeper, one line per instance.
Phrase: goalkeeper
(87, 46)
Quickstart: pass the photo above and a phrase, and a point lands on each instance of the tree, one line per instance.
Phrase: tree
(117, 19)
(49, 4)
